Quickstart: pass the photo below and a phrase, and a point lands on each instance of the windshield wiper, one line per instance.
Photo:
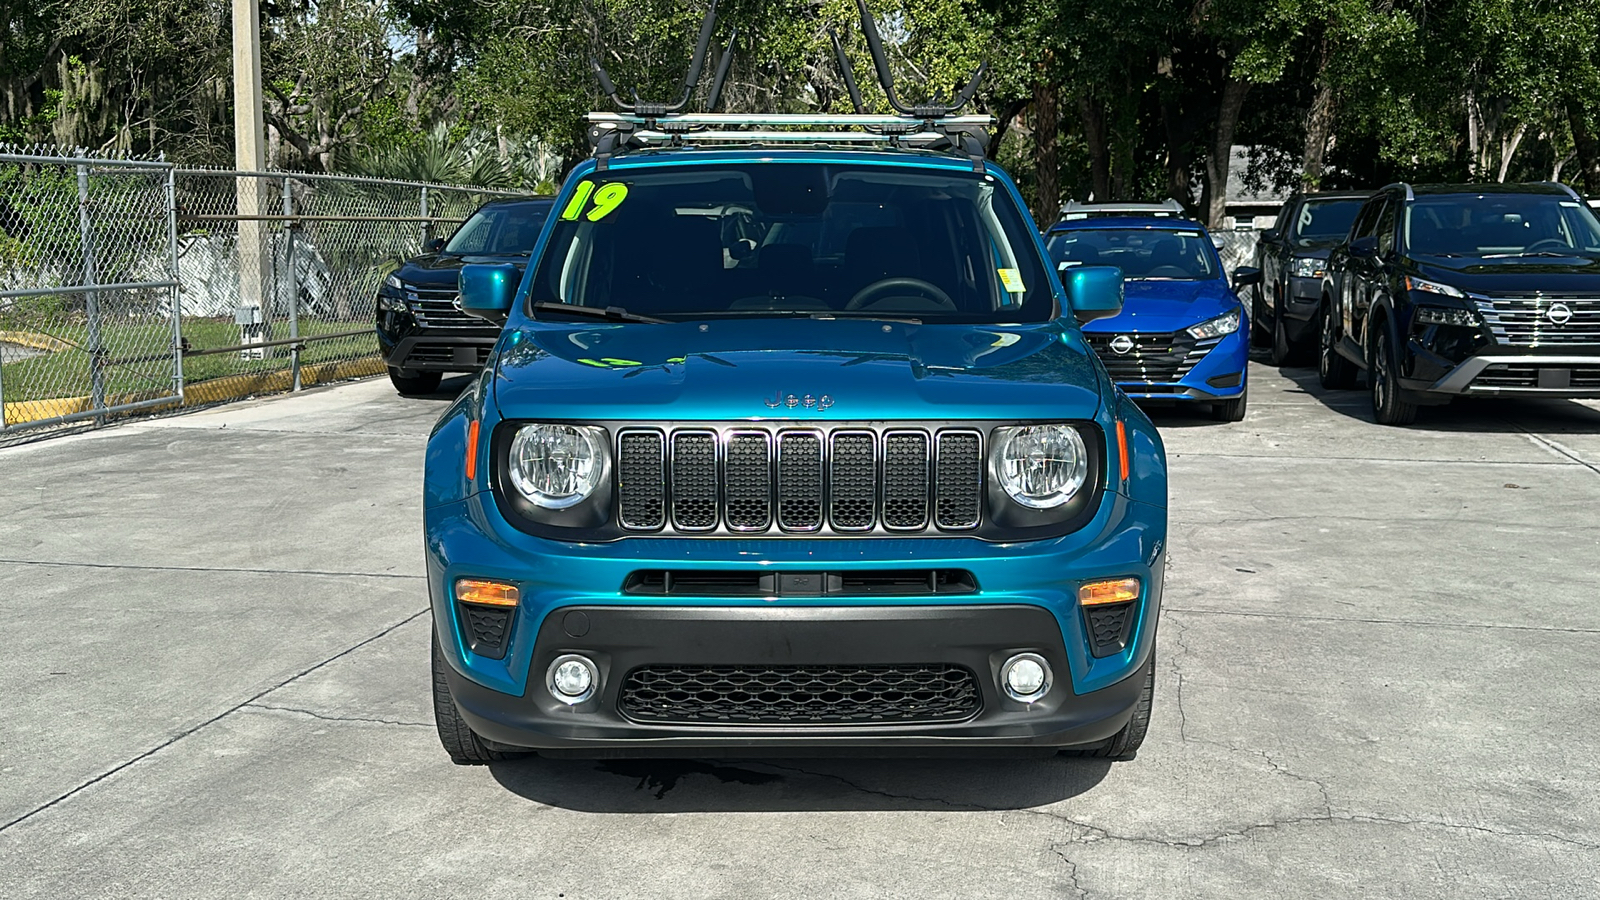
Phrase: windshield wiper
(872, 316)
(1539, 253)
(609, 313)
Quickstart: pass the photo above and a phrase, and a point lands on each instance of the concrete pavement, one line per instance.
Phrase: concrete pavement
(1377, 679)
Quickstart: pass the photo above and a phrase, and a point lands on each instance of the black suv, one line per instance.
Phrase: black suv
(1293, 258)
(1445, 290)
(422, 332)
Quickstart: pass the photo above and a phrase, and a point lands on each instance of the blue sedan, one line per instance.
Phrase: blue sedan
(1182, 334)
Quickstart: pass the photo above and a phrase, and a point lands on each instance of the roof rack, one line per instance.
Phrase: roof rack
(1168, 208)
(927, 126)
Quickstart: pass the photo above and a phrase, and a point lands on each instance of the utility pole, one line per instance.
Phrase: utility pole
(250, 155)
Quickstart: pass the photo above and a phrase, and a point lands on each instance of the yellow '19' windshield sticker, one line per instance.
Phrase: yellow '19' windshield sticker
(606, 201)
(1012, 279)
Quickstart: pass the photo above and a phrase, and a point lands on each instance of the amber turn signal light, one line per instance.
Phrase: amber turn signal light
(486, 593)
(1099, 593)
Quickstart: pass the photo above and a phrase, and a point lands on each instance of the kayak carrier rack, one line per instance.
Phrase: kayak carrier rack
(933, 126)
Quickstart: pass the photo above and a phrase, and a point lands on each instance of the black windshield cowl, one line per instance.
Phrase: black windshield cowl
(609, 313)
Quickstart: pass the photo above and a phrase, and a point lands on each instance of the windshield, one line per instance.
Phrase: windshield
(1141, 253)
(504, 229)
(796, 239)
(1490, 225)
(1325, 220)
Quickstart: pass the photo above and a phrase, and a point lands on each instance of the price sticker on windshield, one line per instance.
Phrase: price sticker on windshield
(605, 201)
(1012, 279)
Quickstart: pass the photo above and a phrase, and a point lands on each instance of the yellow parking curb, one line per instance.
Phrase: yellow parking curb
(213, 390)
(33, 340)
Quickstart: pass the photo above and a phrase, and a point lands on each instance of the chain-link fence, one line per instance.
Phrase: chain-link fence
(130, 284)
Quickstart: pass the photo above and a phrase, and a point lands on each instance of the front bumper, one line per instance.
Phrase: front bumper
(1517, 374)
(405, 344)
(1218, 375)
(1026, 601)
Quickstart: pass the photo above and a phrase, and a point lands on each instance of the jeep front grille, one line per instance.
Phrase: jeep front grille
(799, 480)
(1527, 322)
(760, 694)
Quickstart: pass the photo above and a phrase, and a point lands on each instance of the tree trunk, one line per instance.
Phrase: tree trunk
(1508, 149)
(1587, 145)
(1047, 169)
(1221, 155)
(1094, 134)
(1177, 153)
(1319, 122)
(1003, 125)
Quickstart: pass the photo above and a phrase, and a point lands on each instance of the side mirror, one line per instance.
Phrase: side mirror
(433, 246)
(1216, 241)
(1095, 292)
(1245, 276)
(1271, 235)
(1364, 247)
(488, 290)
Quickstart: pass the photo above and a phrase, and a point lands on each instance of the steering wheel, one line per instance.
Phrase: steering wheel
(884, 287)
(1554, 244)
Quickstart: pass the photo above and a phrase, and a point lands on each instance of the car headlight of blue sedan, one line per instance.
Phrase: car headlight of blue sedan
(1222, 325)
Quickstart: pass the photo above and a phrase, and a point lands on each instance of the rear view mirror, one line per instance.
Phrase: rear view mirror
(1095, 292)
(488, 290)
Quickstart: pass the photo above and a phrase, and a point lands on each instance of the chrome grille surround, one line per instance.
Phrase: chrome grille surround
(801, 479)
(1156, 358)
(1526, 322)
(436, 308)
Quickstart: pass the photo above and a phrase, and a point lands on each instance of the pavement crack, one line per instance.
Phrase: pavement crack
(1072, 871)
(316, 715)
(1557, 449)
(211, 721)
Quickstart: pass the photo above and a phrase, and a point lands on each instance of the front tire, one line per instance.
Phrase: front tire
(418, 383)
(1383, 371)
(1231, 410)
(459, 740)
(1336, 372)
(1125, 744)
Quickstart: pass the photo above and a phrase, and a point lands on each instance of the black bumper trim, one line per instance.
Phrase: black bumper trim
(622, 638)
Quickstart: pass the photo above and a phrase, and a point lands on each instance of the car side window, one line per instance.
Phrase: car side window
(1367, 221)
(1385, 230)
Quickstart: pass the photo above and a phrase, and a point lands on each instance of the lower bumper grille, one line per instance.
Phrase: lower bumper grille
(1530, 377)
(800, 695)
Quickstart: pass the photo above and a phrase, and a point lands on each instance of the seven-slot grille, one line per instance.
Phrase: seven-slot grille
(1527, 322)
(436, 308)
(1153, 359)
(799, 480)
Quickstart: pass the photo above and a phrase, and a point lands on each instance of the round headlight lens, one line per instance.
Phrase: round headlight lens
(1042, 466)
(556, 466)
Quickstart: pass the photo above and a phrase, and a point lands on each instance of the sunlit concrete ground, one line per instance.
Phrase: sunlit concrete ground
(1378, 678)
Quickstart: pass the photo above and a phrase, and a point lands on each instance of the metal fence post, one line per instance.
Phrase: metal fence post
(97, 374)
(177, 290)
(290, 227)
(427, 227)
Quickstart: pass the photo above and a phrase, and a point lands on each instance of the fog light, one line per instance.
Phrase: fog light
(572, 678)
(1025, 677)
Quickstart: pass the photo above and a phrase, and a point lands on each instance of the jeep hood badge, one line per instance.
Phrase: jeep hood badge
(793, 400)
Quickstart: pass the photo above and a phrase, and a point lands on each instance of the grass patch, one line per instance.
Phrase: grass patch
(139, 356)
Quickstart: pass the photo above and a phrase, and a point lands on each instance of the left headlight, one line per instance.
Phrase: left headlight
(1227, 323)
(1306, 267)
(1040, 466)
(557, 466)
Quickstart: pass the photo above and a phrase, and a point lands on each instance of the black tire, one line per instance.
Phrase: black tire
(420, 383)
(459, 740)
(1259, 335)
(1383, 371)
(1284, 351)
(1337, 373)
(1231, 410)
(1125, 743)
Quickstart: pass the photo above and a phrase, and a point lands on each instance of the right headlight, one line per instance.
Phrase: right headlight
(1307, 267)
(557, 466)
(1040, 466)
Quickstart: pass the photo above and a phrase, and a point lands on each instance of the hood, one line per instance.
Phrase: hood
(1526, 275)
(747, 369)
(1162, 306)
(1314, 249)
(444, 268)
